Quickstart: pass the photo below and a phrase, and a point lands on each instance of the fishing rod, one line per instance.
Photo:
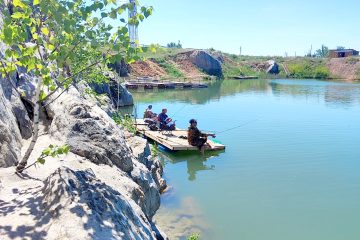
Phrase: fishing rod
(232, 128)
(172, 116)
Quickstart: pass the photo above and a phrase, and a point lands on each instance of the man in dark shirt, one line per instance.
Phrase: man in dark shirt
(197, 138)
(162, 117)
(165, 122)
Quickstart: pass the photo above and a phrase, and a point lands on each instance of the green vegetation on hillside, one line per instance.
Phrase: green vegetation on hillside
(158, 52)
(357, 74)
(308, 68)
(170, 68)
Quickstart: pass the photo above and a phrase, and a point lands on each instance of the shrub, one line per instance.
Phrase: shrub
(125, 121)
(321, 72)
(170, 69)
(308, 69)
(194, 236)
(357, 73)
(352, 60)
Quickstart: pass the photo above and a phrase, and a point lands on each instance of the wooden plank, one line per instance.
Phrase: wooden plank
(172, 142)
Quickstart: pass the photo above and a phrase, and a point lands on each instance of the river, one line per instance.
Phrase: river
(291, 171)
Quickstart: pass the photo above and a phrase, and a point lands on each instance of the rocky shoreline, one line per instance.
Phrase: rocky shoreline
(108, 187)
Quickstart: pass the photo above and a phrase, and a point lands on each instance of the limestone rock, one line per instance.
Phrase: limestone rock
(118, 94)
(89, 131)
(121, 68)
(86, 208)
(10, 136)
(208, 63)
(141, 150)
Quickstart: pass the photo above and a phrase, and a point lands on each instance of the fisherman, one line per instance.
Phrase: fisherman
(165, 122)
(163, 117)
(149, 113)
(197, 138)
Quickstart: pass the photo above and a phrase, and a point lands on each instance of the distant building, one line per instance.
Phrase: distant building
(343, 53)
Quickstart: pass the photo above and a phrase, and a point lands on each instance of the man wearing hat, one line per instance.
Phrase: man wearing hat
(196, 137)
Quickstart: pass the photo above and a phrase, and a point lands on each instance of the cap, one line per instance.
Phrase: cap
(192, 121)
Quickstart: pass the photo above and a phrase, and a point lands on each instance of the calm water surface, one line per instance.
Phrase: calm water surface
(292, 171)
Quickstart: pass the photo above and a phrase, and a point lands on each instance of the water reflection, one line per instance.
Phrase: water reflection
(195, 161)
(332, 93)
(329, 91)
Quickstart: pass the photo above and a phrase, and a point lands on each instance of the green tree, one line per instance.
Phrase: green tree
(340, 48)
(174, 45)
(60, 42)
(322, 52)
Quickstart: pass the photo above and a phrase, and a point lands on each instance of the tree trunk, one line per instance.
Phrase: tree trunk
(22, 164)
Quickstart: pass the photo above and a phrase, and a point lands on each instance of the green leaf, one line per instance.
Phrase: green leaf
(36, 2)
(41, 160)
(18, 3)
(46, 152)
(148, 12)
(7, 34)
(66, 149)
(113, 14)
(18, 15)
(104, 15)
(42, 95)
(45, 31)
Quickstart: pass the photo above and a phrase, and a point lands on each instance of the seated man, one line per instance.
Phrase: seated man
(197, 138)
(149, 113)
(165, 122)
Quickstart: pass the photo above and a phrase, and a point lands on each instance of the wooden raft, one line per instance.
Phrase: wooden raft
(172, 141)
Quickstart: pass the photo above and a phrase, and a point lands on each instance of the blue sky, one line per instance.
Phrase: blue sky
(261, 27)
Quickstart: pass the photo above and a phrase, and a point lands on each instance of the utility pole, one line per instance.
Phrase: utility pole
(240, 52)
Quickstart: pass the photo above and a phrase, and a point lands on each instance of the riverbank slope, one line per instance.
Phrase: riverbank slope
(179, 64)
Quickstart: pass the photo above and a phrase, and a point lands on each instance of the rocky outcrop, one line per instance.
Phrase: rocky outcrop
(93, 205)
(15, 123)
(272, 67)
(101, 190)
(121, 68)
(118, 94)
(208, 63)
(10, 137)
(89, 131)
(141, 151)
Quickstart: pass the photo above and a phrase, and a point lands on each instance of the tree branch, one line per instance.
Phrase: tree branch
(71, 77)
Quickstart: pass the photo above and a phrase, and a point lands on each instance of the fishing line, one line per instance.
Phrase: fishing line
(232, 128)
(178, 111)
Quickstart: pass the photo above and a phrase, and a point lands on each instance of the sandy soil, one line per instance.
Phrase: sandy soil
(147, 68)
(344, 68)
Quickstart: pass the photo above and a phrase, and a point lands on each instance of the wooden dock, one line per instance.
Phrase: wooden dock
(245, 77)
(173, 141)
(162, 85)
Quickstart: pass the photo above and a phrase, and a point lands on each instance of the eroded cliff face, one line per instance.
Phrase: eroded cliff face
(108, 187)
